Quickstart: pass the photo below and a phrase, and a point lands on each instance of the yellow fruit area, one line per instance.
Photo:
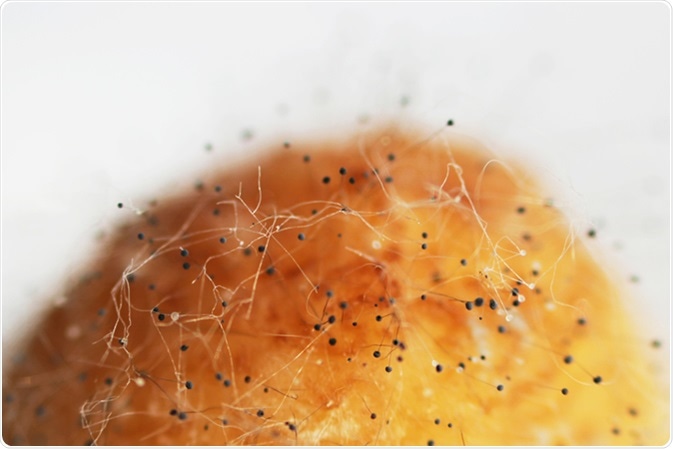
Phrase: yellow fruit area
(391, 288)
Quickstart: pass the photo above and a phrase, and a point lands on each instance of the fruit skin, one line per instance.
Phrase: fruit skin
(221, 325)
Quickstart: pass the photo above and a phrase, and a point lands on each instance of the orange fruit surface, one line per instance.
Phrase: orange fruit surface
(390, 288)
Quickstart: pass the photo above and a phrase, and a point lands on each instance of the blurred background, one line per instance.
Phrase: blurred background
(113, 102)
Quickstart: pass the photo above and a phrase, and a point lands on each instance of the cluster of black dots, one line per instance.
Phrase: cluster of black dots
(331, 319)
(390, 350)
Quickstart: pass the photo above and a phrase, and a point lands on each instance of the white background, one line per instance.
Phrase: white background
(110, 102)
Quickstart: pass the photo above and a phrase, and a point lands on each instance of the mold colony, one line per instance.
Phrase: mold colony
(394, 288)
